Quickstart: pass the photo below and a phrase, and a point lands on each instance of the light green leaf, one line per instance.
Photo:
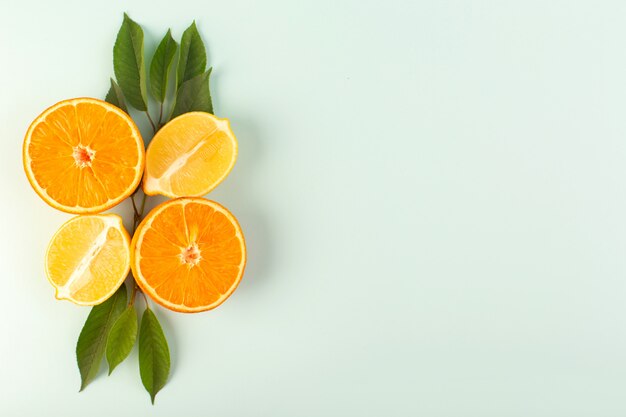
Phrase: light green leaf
(121, 338)
(192, 59)
(93, 337)
(154, 355)
(115, 96)
(160, 66)
(194, 95)
(128, 63)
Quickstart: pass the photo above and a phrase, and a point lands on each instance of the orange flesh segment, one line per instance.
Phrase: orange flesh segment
(189, 254)
(83, 155)
(189, 156)
(88, 258)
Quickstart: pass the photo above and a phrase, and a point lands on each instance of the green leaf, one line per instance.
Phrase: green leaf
(116, 97)
(192, 59)
(160, 66)
(154, 355)
(121, 338)
(194, 95)
(128, 63)
(93, 337)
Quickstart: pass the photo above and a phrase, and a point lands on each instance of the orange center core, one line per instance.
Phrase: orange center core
(191, 255)
(83, 156)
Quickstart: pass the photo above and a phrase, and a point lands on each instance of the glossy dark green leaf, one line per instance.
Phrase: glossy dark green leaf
(194, 95)
(160, 66)
(116, 97)
(121, 338)
(93, 337)
(192, 58)
(128, 63)
(154, 354)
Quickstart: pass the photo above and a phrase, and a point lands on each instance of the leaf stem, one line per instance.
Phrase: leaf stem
(160, 114)
(138, 216)
(143, 205)
(151, 121)
(132, 199)
(131, 301)
(133, 295)
(138, 211)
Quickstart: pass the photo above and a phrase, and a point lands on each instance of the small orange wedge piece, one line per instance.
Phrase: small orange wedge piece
(83, 155)
(88, 258)
(188, 254)
(189, 156)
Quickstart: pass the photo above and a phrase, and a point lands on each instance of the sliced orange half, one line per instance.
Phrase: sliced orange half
(189, 156)
(88, 258)
(188, 254)
(83, 155)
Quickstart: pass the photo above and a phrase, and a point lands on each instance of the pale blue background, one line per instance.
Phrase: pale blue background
(433, 194)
